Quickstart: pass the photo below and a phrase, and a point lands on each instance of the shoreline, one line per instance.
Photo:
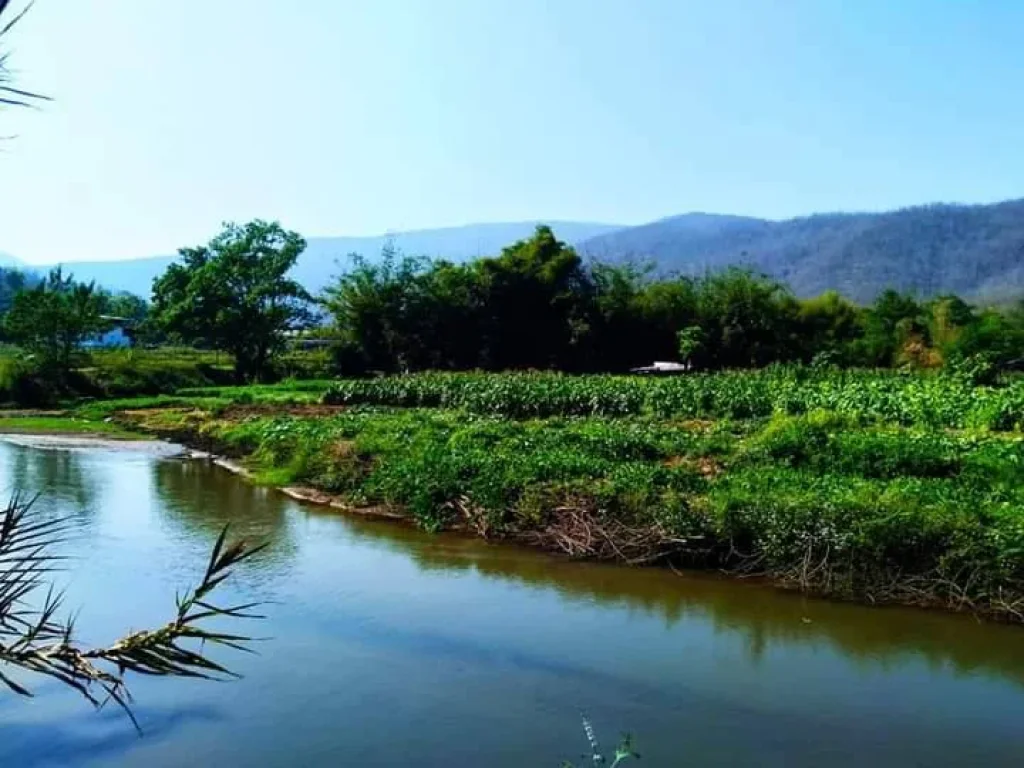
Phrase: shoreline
(167, 449)
(302, 493)
(92, 440)
(191, 441)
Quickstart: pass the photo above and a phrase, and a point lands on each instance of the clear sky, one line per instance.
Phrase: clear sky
(344, 117)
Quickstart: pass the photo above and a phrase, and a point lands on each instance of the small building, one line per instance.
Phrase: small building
(116, 335)
(662, 368)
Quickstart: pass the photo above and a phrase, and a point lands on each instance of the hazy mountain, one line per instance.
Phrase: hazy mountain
(6, 260)
(975, 250)
(325, 257)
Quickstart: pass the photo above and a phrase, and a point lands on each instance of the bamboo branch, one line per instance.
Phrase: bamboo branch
(34, 640)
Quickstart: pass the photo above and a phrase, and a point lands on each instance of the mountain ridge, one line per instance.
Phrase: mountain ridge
(324, 256)
(974, 250)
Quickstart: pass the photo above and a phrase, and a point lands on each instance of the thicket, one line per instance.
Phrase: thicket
(538, 305)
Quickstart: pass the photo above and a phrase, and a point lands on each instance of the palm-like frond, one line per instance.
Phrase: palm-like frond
(35, 640)
(10, 95)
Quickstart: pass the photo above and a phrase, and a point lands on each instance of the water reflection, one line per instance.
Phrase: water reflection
(69, 478)
(763, 616)
(100, 735)
(195, 500)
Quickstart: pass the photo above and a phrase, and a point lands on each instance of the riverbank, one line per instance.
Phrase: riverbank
(90, 442)
(57, 424)
(855, 487)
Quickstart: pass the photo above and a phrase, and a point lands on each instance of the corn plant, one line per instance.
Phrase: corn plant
(624, 750)
(891, 397)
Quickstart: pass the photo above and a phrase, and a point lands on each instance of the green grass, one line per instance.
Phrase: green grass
(121, 373)
(65, 425)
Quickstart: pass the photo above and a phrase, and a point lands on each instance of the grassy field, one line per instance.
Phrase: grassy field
(120, 373)
(64, 424)
(871, 486)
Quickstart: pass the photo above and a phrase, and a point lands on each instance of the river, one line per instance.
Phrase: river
(387, 646)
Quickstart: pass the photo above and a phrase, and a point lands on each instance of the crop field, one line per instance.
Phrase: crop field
(882, 397)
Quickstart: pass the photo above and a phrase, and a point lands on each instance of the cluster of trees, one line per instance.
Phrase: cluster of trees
(232, 294)
(51, 317)
(538, 305)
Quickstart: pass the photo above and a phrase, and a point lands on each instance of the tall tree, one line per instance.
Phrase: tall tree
(536, 291)
(376, 309)
(53, 318)
(234, 294)
(828, 324)
(888, 324)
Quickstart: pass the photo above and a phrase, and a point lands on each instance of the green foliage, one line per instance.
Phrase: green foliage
(507, 471)
(12, 281)
(64, 425)
(864, 396)
(537, 306)
(125, 372)
(691, 342)
(851, 535)
(519, 309)
(22, 382)
(51, 319)
(234, 294)
(127, 306)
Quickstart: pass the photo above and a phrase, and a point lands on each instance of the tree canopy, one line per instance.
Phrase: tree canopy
(537, 305)
(234, 294)
(52, 318)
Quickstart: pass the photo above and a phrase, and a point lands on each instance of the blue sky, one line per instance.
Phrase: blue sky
(342, 117)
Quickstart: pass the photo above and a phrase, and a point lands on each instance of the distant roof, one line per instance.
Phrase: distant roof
(662, 366)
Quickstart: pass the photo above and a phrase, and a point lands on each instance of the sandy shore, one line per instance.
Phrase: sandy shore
(94, 442)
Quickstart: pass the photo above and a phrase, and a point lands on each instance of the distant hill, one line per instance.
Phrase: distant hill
(326, 257)
(6, 260)
(975, 251)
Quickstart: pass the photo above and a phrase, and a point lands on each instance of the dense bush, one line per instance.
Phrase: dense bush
(22, 382)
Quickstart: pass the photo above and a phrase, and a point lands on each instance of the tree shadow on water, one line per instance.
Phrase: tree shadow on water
(91, 737)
